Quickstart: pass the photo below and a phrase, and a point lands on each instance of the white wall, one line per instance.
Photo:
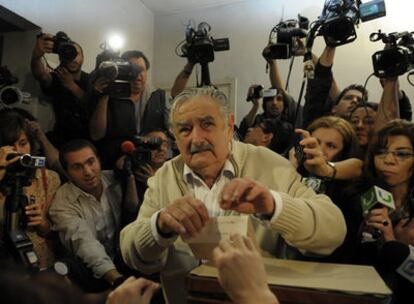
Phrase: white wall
(87, 22)
(247, 24)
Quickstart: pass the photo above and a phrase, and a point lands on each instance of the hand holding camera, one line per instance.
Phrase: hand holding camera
(44, 44)
(5, 159)
(254, 93)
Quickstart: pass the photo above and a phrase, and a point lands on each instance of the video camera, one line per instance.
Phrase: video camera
(139, 149)
(200, 46)
(24, 168)
(339, 17)
(287, 32)
(119, 72)
(397, 58)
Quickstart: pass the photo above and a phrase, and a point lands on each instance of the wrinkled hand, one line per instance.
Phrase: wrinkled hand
(245, 195)
(186, 216)
(315, 161)
(133, 291)
(378, 218)
(44, 44)
(241, 271)
(404, 231)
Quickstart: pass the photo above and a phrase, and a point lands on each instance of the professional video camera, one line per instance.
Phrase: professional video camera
(19, 175)
(200, 46)
(287, 32)
(118, 71)
(339, 18)
(139, 149)
(397, 58)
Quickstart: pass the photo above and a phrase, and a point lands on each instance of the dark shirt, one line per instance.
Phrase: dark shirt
(71, 113)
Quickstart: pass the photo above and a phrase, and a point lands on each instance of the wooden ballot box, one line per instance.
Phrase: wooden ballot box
(297, 282)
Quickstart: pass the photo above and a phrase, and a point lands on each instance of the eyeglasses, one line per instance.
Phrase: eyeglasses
(398, 154)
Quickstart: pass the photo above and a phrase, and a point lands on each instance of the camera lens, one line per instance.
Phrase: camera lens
(26, 160)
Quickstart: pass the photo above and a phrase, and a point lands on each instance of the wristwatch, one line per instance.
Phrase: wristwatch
(332, 177)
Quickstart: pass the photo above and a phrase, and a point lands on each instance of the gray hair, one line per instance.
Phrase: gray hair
(189, 94)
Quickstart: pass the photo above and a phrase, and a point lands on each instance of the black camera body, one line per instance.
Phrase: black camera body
(287, 32)
(143, 146)
(398, 58)
(120, 73)
(64, 47)
(200, 46)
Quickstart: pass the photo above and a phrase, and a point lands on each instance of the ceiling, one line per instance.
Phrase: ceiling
(165, 7)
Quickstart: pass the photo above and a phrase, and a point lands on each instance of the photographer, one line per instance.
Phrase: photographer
(66, 85)
(114, 120)
(275, 107)
(16, 139)
(136, 171)
(321, 100)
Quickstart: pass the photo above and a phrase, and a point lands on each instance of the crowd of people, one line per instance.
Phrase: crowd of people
(119, 217)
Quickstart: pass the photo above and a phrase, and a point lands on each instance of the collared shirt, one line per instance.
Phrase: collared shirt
(210, 197)
(87, 227)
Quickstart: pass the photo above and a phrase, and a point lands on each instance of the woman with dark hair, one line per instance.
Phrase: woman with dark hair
(362, 119)
(390, 165)
(40, 186)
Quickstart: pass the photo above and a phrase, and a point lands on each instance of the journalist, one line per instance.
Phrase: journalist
(66, 85)
(115, 120)
(39, 186)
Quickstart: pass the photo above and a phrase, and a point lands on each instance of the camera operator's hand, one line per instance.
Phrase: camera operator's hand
(300, 48)
(36, 217)
(186, 217)
(4, 162)
(44, 44)
(133, 291)
(65, 77)
(144, 172)
(250, 94)
(100, 84)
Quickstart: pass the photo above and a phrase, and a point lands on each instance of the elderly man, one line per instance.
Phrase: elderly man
(214, 176)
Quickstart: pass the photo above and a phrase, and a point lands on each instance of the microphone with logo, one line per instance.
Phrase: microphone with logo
(375, 197)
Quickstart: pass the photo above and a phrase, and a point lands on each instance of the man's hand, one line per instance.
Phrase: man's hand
(250, 94)
(44, 44)
(186, 216)
(245, 195)
(241, 271)
(133, 291)
(144, 172)
(100, 85)
(65, 77)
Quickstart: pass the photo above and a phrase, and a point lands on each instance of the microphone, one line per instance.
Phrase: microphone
(396, 256)
(127, 147)
(375, 197)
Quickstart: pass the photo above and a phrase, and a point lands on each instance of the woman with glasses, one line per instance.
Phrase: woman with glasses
(390, 165)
